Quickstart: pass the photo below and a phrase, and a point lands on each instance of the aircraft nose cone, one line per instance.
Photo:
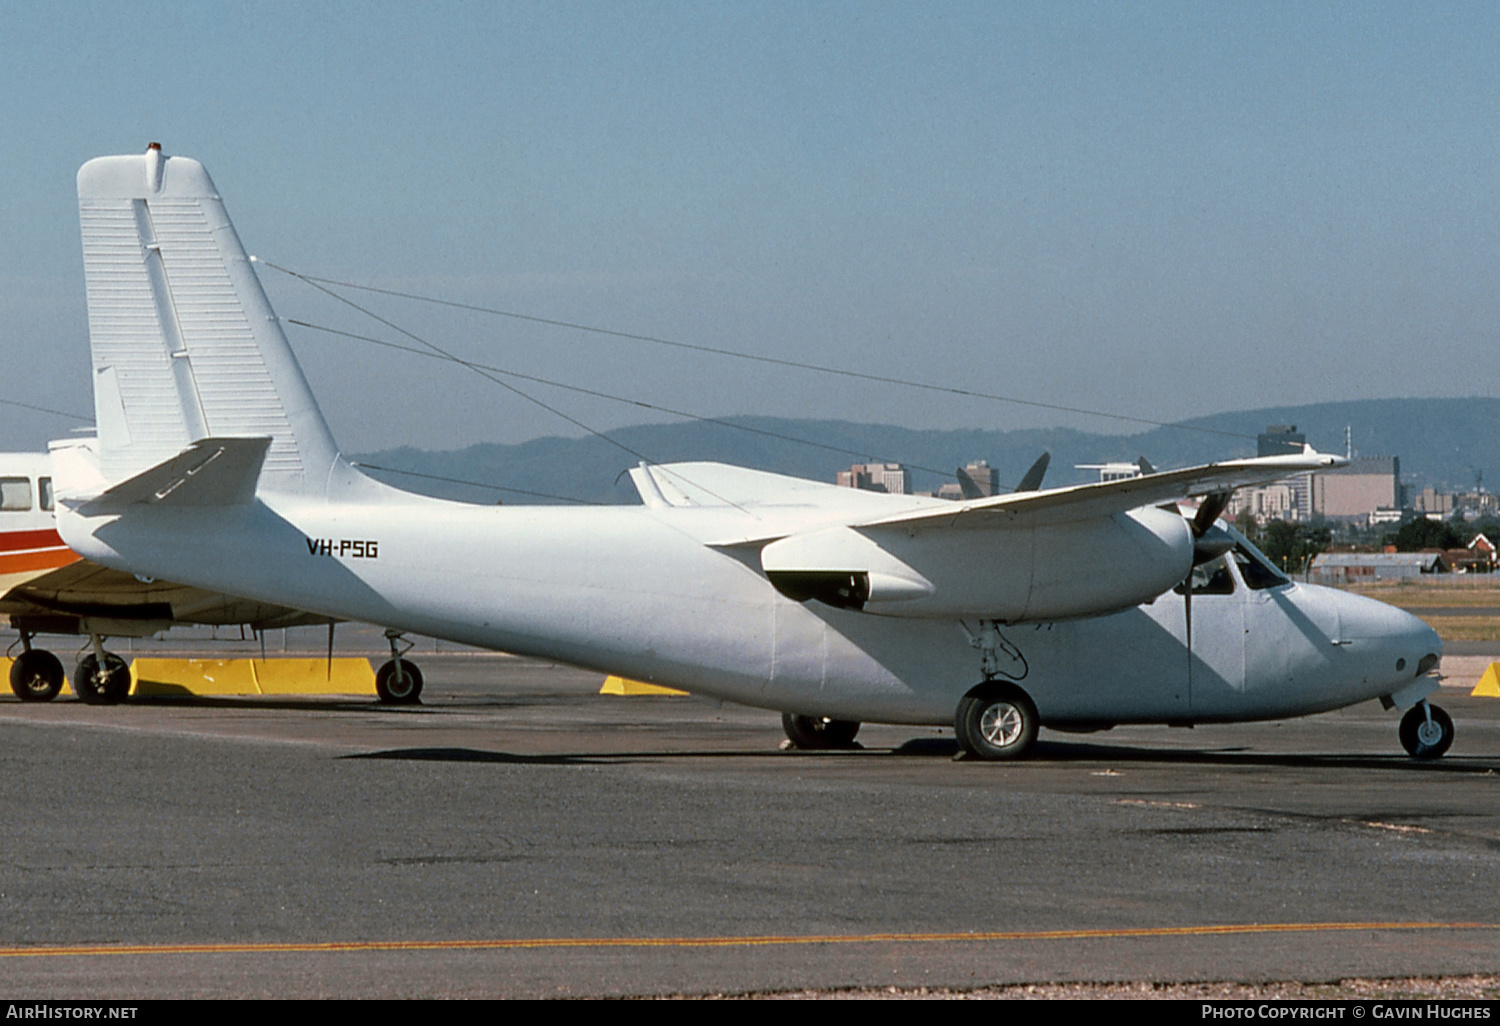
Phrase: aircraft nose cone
(1403, 646)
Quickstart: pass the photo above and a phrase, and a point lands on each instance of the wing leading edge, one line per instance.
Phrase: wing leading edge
(1085, 502)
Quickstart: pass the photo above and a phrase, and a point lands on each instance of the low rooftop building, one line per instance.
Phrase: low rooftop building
(1364, 567)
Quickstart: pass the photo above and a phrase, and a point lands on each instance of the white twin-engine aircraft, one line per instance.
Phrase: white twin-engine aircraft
(1072, 608)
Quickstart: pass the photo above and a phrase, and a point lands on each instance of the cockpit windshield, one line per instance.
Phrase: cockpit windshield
(1255, 568)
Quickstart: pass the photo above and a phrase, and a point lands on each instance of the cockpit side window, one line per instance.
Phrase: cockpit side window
(15, 494)
(1257, 570)
(44, 492)
(1211, 578)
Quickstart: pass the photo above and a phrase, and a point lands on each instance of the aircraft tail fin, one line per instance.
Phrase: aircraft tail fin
(185, 344)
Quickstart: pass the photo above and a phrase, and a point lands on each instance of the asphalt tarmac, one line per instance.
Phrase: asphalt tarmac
(520, 835)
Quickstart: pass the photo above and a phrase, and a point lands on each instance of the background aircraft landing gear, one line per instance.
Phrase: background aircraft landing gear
(817, 733)
(36, 675)
(102, 678)
(1426, 731)
(996, 721)
(398, 681)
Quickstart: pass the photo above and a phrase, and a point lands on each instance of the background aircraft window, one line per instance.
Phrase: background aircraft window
(15, 493)
(44, 492)
(1258, 572)
(1211, 578)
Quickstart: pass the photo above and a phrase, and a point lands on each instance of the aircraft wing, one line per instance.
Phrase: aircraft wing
(709, 485)
(84, 589)
(1085, 502)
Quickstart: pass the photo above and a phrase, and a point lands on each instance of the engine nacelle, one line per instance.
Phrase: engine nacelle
(993, 571)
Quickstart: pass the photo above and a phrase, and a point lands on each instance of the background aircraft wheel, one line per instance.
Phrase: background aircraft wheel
(1423, 740)
(36, 676)
(403, 688)
(998, 723)
(104, 686)
(812, 733)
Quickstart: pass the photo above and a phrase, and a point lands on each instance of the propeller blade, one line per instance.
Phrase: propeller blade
(1208, 512)
(968, 485)
(1033, 479)
(1187, 615)
(1212, 544)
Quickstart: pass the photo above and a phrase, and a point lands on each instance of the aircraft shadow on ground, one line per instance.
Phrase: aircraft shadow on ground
(1046, 752)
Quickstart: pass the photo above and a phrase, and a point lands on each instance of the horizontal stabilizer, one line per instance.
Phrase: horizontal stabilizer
(210, 472)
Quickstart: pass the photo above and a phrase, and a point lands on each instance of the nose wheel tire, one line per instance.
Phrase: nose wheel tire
(815, 733)
(36, 676)
(996, 724)
(399, 682)
(102, 685)
(1425, 738)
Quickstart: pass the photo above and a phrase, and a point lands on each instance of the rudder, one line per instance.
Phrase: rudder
(185, 344)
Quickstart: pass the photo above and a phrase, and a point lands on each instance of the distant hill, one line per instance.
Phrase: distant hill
(1441, 442)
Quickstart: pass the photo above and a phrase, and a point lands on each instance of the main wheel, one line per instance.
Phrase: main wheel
(998, 723)
(1423, 739)
(813, 733)
(399, 682)
(36, 676)
(102, 686)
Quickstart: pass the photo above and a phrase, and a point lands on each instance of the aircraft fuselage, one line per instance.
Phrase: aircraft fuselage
(629, 590)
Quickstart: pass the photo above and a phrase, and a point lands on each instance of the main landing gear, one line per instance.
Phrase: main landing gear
(36, 675)
(102, 678)
(1426, 731)
(996, 721)
(398, 681)
(818, 733)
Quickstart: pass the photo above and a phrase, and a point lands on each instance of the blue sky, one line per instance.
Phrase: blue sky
(1156, 209)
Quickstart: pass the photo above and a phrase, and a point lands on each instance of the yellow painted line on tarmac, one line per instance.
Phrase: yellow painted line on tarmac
(769, 940)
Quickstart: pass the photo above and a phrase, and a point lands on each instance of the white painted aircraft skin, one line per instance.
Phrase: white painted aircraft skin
(40, 576)
(191, 481)
(582, 586)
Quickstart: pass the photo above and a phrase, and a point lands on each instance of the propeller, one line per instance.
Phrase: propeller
(1033, 479)
(1210, 541)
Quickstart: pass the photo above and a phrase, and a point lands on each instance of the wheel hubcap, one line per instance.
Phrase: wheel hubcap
(1429, 733)
(1001, 724)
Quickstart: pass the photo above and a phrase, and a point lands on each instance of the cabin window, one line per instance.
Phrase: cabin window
(44, 492)
(15, 493)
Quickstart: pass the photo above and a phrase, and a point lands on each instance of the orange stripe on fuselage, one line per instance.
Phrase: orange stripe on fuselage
(14, 541)
(46, 559)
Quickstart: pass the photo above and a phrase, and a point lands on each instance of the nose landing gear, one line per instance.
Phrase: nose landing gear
(1426, 731)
